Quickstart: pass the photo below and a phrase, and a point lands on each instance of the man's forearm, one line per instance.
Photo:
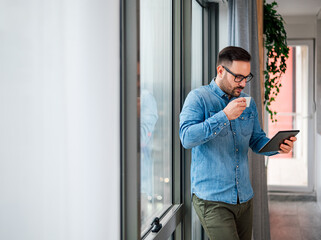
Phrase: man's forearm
(193, 134)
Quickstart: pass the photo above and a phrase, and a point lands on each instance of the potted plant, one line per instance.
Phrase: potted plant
(277, 53)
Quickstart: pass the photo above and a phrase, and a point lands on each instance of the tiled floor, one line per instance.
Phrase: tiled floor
(295, 220)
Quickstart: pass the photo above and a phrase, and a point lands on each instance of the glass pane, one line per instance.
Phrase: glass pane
(292, 107)
(155, 108)
(197, 44)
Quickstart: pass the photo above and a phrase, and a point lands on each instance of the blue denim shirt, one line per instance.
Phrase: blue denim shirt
(219, 169)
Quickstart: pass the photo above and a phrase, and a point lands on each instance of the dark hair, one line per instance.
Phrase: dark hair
(230, 54)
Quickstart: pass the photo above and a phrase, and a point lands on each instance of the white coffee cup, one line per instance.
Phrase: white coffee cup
(248, 101)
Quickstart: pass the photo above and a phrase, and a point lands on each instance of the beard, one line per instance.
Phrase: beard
(229, 89)
(236, 92)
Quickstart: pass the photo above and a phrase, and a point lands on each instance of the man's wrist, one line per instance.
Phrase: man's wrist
(226, 115)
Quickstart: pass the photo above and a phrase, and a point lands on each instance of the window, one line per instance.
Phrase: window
(155, 109)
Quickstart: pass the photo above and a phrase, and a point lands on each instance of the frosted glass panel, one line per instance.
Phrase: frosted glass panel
(155, 108)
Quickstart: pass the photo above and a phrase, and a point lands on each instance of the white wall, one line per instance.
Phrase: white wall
(59, 125)
(300, 27)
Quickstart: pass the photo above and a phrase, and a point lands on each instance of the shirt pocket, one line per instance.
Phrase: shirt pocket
(246, 123)
(223, 131)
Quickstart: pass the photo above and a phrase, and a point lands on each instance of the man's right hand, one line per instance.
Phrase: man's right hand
(235, 108)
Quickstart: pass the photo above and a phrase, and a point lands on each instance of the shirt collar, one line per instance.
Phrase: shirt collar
(217, 89)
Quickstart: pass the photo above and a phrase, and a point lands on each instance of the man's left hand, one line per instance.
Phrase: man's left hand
(287, 145)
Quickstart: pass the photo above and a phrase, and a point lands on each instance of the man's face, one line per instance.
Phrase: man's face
(227, 84)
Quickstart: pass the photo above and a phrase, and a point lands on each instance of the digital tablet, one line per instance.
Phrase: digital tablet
(277, 140)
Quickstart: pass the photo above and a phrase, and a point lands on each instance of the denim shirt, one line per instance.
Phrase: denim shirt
(219, 168)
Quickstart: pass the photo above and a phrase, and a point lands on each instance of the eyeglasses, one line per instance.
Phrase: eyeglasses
(239, 78)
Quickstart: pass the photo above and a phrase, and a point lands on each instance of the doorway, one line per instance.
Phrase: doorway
(295, 107)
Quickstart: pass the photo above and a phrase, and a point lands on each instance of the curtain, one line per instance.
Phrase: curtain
(243, 33)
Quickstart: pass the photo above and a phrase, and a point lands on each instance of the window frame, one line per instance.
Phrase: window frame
(130, 125)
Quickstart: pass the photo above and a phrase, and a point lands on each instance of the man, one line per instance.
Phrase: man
(219, 128)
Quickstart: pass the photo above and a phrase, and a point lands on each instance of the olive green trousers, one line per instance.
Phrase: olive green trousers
(223, 221)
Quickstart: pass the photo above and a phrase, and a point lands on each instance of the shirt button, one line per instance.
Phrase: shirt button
(237, 182)
(237, 150)
(237, 166)
(224, 123)
(215, 133)
(242, 117)
(234, 133)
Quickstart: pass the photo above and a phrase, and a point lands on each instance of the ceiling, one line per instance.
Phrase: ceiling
(298, 7)
(292, 7)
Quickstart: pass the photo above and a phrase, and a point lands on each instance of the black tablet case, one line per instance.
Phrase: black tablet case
(277, 140)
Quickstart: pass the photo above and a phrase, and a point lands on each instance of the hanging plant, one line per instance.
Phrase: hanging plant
(277, 54)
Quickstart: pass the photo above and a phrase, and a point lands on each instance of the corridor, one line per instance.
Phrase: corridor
(295, 220)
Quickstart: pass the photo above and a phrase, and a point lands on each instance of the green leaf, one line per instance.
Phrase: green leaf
(277, 53)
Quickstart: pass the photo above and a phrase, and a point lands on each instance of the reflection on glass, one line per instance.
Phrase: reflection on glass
(155, 109)
(292, 107)
(197, 44)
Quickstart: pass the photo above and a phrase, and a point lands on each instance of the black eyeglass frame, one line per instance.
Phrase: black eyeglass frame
(247, 78)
